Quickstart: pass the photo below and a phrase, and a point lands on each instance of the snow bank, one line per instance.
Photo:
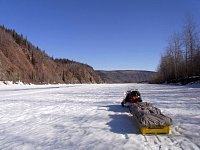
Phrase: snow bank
(10, 83)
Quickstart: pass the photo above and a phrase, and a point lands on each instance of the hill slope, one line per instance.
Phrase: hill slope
(125, 76)
(20, 60)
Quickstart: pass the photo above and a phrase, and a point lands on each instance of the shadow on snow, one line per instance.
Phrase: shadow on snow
(121, 122)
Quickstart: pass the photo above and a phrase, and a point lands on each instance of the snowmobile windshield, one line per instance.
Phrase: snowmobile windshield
(135, 93)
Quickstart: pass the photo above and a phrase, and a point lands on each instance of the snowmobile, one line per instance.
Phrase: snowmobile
(131, 96)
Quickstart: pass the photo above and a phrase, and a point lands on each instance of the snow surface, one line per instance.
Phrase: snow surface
(90, 117)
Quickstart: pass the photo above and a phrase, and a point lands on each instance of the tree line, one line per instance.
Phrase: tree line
(181, 59)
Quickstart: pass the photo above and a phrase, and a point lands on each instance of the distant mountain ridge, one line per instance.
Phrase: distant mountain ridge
(126, 76)
(21, 60)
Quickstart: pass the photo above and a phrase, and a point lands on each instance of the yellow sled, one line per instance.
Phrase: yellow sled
(155, 130)
(163, 130)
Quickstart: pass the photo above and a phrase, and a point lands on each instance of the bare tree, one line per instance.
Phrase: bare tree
(176, 54)
(190, 41)
(182, 55)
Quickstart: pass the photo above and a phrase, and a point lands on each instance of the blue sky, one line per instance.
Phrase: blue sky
(106, 34)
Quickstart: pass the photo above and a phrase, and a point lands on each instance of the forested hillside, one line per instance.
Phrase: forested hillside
(21, 60)
(126, 76)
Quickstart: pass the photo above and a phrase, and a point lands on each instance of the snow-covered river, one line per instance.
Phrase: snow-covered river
(87, 117)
